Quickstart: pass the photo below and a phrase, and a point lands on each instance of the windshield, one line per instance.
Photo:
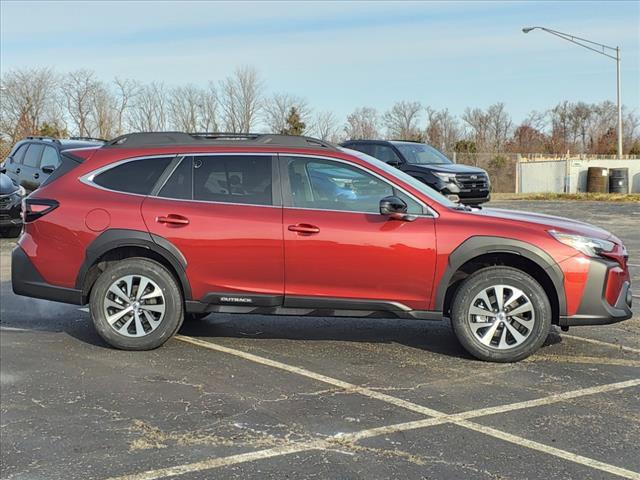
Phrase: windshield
(421, 154)
(408, 179)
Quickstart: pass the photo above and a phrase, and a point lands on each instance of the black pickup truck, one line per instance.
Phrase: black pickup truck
(463, 183)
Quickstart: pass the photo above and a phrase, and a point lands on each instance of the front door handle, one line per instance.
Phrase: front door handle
(173, 220)
(304, 229)
(36, 175)
(17, 170)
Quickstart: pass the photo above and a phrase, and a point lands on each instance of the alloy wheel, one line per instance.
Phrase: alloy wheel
(134, 305)
(501, 317)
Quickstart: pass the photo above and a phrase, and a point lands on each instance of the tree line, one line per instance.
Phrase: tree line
(40, 101)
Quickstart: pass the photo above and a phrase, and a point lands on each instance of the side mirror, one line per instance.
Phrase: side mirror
(394, 207)
(3, 169)
(48, 169)
(394, 163)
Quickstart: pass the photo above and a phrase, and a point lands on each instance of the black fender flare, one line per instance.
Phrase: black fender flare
(481, 245)
(115, 238)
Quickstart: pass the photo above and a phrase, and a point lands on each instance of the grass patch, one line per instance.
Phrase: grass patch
(594, 197)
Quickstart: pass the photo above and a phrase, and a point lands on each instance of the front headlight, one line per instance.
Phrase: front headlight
(21, 191)
(447, 177)
(591, 247)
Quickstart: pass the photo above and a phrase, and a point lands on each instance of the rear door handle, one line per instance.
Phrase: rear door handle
(17, 170)
(304, 229)
(173, 220)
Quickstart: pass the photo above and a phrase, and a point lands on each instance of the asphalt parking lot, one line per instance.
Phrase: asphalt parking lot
(286, 397)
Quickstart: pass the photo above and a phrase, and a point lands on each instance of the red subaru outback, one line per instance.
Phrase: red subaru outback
(153, 227)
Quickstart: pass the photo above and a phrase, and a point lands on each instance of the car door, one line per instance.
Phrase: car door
(339, 248)
(29, 173)
(13, 163)
(224, 214)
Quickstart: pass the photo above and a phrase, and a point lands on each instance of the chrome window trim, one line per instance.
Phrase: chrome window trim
(429, 212)
(88, 178)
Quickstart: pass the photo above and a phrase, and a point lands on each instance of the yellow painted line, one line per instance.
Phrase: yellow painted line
(600, 342)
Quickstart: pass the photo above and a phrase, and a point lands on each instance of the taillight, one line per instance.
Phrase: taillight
(34, 208)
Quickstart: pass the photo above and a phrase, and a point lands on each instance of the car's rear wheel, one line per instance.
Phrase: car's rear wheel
(501, 314)
(136, 304)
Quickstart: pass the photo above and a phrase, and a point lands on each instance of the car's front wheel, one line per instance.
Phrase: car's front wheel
(501, 314)
(136, 304)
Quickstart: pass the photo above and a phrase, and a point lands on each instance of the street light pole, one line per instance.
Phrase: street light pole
(619, 103)
(602, 50)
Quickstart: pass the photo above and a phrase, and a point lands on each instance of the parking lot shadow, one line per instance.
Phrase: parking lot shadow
(437, 337)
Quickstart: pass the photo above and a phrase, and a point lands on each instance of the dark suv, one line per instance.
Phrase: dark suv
(153, 226)
(33, 159)
(469, 185)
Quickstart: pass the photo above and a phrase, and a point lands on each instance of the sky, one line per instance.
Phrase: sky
(341, 55)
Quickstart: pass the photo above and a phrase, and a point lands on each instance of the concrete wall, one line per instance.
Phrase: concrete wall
(560, 175)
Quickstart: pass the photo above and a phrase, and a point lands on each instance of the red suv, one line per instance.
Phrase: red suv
(153, 227)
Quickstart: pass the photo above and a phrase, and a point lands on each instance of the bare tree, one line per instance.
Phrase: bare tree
(184, 108)
(208, 109)
(126, 92)
(27, 100)
(489, 129)
(278, 108)
(240, 98)
(402, 120)
(78, 91)
(326, 127)
(443, 130)
(149, 111)
(499, 126)
(104, 113)
(362, 123)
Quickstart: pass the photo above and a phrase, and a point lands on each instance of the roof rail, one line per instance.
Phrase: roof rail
(158, 139)
(42, 137)
(91, 139)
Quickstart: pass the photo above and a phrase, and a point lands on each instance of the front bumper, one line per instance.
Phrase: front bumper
(594, 308)
(27, 281)
(10, 208)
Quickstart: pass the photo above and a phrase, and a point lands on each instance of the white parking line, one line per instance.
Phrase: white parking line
(600, 342)
(540, 447)
(460, 419)
(350, 387)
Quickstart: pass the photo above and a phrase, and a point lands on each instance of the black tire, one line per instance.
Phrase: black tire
(10, 232)
(484, 279)
(169, 324)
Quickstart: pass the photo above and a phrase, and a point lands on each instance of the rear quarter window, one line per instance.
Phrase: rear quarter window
(134, 176)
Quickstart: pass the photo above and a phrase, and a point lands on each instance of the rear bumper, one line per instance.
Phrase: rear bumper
(27, 281)
(594, 308)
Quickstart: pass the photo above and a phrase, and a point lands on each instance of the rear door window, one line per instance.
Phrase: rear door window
(33, 155)
(180, 183)
(49, 158)
(135, 176)
(233, 179)
(385, 153)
